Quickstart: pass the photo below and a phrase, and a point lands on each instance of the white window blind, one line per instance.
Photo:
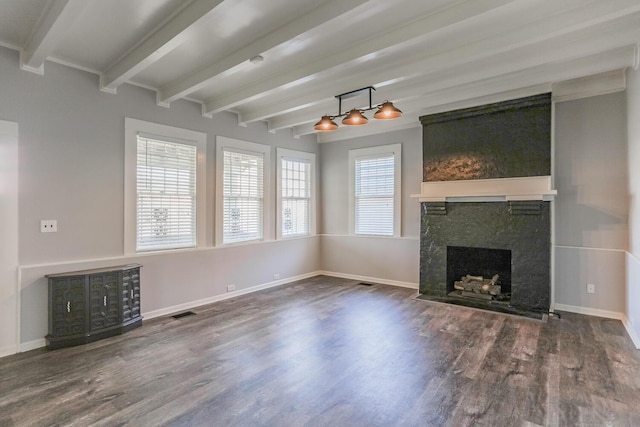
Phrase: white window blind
(296, 197)
(374, 195)
(166, 194)
(243, 196)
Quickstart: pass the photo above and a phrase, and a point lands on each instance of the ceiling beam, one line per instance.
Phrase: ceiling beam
(56, 19)
(430, 23)
(458, 68)
(593, 85)
(319, 15)
(543, 76)
(156, 44)
(564, 22)
(524, 50)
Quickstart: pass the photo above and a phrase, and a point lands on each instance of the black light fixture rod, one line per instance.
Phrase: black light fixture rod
(356, 92)
(352, 94)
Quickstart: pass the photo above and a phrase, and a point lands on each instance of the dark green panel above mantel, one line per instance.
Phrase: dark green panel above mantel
(502, 140)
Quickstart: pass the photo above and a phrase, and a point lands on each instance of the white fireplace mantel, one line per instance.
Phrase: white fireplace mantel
(487, 190)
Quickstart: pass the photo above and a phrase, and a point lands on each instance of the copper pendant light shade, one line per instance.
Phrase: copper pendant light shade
(387, 111)
(355, 118)
(326, 124)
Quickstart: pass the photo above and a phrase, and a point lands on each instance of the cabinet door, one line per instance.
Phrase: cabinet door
(67, 306)
(135, 285)
(104, 305)
(127, 296)
(130, 294)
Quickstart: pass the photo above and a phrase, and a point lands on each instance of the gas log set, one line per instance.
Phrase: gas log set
(478, 287)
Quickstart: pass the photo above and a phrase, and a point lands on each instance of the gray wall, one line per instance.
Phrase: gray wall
(8, 237)
(395, 260)
(591, 209)
(71, 169)
(633, 257)
(71, 150)
(334, 171)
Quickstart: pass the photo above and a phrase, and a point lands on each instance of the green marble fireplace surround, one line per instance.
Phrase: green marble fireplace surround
(487, 185)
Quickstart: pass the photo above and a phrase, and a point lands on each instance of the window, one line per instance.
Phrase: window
(243, 170)
(295, 193)
(166, 208)
(375, 190)
(164, 187)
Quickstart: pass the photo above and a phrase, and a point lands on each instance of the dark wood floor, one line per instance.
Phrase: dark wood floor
(331, 352)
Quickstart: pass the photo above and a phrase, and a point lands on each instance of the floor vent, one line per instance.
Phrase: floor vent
(184, 314)
(365, 284)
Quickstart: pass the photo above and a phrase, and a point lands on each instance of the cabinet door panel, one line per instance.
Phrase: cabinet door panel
(68, 306)
(130, 294)
(103, 291)
(135, 285)
(127, 296)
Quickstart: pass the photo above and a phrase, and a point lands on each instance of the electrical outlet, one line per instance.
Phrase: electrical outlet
(231, 288)
(48, 226)
(591, 288)
(276, 276)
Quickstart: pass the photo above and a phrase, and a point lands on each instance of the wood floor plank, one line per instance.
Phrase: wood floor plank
(329, 351)
(552, 415)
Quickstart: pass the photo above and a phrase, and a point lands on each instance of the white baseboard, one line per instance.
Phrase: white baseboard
(632, 333)
(32, 345)
(603, 313)
(8, 350)
(216, 298)
(370, 279)
(589, 311)
(228, 295)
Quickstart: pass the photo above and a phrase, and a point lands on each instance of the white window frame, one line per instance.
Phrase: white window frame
(373, 152)
(231, 144)
(283, 153)
(134, 127)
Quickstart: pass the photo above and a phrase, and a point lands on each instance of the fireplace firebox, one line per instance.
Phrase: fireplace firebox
(479, 273)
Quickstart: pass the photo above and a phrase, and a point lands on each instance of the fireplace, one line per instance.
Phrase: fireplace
(485, 238)
(479, 273)
(522, 229)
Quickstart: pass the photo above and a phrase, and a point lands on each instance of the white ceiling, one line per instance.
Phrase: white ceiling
(425, 56)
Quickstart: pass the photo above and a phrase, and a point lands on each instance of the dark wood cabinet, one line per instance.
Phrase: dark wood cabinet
(88, 305)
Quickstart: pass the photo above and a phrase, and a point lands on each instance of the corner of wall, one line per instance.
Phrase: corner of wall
(632, 285)
(631, 317)
(9, 214)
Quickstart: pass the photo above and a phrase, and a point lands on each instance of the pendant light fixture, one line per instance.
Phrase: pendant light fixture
(326, 124)
(356, 117)
(387, 111)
